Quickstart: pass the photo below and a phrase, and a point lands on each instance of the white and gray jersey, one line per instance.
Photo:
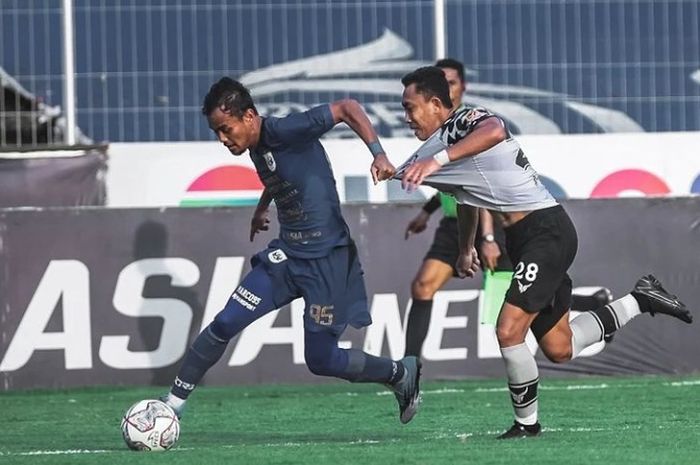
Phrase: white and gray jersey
(500, 178)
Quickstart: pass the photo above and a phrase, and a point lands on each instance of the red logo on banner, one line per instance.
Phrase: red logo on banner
(630, 181)
(224, 185)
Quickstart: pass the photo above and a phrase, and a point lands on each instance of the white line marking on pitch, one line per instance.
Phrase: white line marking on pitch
(462, 436)
(569, 387)
(683, 383)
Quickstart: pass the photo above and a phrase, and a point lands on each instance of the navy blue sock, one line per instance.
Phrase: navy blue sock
(325, 358)
(205, 351)
(363, 368)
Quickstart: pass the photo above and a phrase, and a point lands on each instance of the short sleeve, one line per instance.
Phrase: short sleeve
(301, 127)
(473, 116)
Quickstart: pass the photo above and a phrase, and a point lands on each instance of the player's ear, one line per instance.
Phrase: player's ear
(435, 104)
(249, 116)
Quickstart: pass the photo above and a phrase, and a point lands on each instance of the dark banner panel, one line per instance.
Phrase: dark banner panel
(111, 296)
(53, 178)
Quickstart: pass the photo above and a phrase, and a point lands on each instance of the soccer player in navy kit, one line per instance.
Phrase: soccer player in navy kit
(314, 256)
(471, 155)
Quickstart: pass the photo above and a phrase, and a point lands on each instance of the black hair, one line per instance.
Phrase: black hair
(430, 82)
(451, 63)
(230, 96)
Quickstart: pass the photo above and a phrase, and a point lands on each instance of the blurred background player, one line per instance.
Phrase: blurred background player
(471, 155)
(314, 256)
(438, 265)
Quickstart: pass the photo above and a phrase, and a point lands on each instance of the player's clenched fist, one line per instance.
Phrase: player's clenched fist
(467, 264)
(382, 169)
(260, 222)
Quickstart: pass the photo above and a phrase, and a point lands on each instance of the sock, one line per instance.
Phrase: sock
(363, 368)
(397, 372)
(417, 326)
(205, 351)
(590, 327)
(625, 309)
(585, 331)
(586, 303)
(174, 401)
(523, 379)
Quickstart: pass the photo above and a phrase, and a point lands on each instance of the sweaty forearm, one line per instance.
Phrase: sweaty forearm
(265, 200)
(486, 222)
(355, 117)
(467, 219)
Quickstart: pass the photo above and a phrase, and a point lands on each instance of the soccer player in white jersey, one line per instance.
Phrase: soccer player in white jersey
(471, 155)
(438, 266)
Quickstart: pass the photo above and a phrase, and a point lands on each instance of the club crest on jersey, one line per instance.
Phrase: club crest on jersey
(270, 161)
(277, 256)
(474, 114)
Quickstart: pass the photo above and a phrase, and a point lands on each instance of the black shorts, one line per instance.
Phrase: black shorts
(445, 246)
(542, 246)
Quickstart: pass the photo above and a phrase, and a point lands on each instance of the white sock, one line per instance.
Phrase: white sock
(590, 327)
(174, 401)
(523, 379)
(625, 309)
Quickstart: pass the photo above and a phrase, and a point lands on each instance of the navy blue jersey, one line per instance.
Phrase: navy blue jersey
(295, 170)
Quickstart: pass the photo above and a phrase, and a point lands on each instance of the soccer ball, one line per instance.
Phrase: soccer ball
(150, 425)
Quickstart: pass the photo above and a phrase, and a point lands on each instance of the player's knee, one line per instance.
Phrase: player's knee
(225, 325)
(221, 329)
(559, 354)
(423, 289)
(320, 363)
(509, 335)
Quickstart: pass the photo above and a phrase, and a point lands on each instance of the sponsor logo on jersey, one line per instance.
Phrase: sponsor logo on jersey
(246, 298)
(523, 287)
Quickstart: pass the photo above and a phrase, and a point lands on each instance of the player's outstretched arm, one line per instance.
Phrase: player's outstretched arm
(468, 261)
(351, 113)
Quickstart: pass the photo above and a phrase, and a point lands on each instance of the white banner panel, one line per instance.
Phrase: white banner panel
(572, 166)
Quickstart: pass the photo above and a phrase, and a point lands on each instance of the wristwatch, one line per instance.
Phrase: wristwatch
(489, 238)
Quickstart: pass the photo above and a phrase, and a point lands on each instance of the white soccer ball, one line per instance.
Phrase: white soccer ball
(150, 425)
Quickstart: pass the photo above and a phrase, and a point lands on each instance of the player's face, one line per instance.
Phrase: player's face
(235, 133)
(423, 115)
(457, 86)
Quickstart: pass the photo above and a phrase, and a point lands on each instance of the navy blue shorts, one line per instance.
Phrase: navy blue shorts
(332, 287)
